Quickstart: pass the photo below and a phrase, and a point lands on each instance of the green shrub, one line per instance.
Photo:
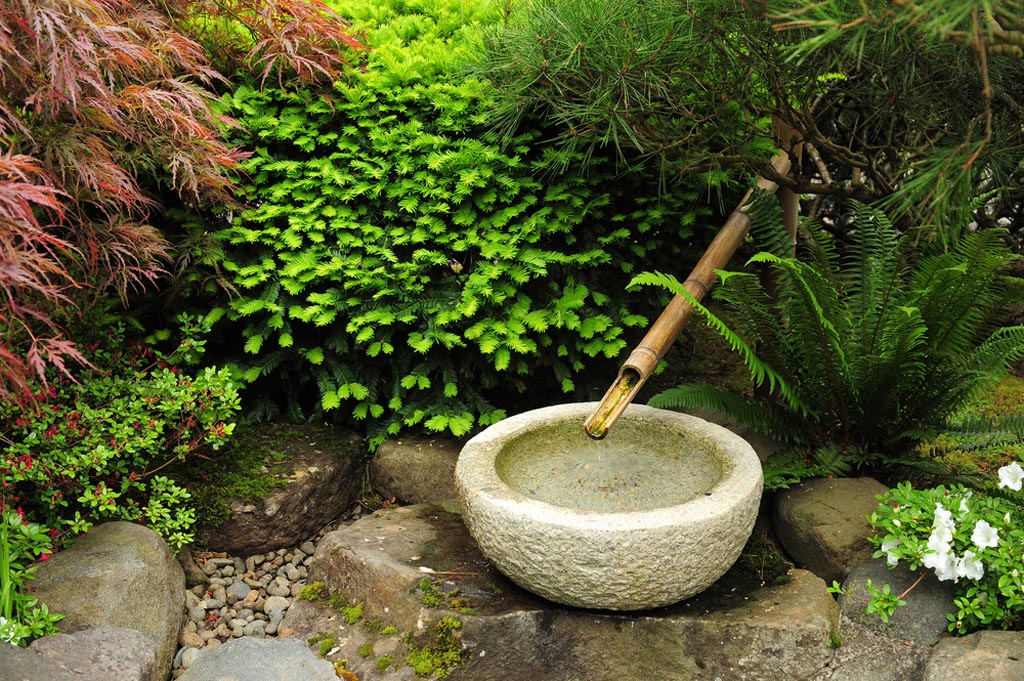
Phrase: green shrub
(861, 355)
(410, 268)
(78, 452)
(22, 616)
(965, 536)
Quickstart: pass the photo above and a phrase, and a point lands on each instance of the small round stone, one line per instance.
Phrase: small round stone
(276, 602)
(256, 628)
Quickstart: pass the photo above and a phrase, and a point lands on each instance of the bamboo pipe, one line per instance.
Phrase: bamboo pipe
(659, 338)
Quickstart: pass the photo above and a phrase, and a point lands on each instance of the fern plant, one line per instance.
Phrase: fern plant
(859, 354)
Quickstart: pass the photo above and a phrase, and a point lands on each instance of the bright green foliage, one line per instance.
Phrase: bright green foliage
(862, 354)
(22, 616)
(411, 268)
(82, 452)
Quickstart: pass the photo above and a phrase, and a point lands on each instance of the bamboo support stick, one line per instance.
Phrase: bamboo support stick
(659, 338)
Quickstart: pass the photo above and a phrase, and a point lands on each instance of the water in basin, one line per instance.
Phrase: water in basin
(640, 466)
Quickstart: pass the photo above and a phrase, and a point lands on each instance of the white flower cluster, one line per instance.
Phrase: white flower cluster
(9, 631)
(940, 556)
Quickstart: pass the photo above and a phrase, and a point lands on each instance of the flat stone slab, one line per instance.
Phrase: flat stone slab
(411, 566)
(105, 653)
(986, 655)
(258, 658)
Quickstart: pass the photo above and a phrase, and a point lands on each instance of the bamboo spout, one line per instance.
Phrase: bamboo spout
(659, 338)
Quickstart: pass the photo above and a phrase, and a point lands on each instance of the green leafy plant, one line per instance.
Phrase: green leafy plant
(968, 536)
(22, 617)
(408, 267)
(859, 356)
(93, 449)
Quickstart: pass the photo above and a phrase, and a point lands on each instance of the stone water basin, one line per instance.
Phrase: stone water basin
(653, 514)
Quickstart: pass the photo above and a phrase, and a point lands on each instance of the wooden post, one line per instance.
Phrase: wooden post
(789, 139)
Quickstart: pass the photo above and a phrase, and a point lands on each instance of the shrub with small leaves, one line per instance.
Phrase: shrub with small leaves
(78, 452)
(414, 267)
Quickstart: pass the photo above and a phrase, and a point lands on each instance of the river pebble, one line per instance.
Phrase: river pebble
(242, 596)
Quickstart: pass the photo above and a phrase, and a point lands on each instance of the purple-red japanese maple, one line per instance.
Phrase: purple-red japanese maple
(103, 104)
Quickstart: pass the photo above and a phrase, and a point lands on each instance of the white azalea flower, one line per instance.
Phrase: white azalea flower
(970, 566)
(944, 565)
(888, 546)
(1011, 476)
(938, 544)
(8, 631)
(943, 518)
(942, 533)
(985, 536)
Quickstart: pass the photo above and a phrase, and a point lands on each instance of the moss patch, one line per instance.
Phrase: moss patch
(317, 592)
(452, 599)
(441, 655)
(244, 470)
(971, 454)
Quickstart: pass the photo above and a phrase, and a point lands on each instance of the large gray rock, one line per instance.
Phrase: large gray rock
(923, 618)
(988, 655)
(322, 475)
(259, 659)
(865, 655)
(774, 633)
(822, 524)
(121, 574)
(106, 653)
(415, 469)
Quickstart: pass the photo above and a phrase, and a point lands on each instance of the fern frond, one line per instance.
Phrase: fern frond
(766, 228)
(755, 318)
(816, 320)
(997, 353)
(759, 370)
(761, 416)
(960, 292)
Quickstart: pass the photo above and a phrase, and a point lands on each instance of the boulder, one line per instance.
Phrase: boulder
(105, 653)
(415, 469)
(865, 655)
(259, 659)
(120, 574)
(411, 567)
(822, 524)
(922, 620)
(321, 474)
(985, 655)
